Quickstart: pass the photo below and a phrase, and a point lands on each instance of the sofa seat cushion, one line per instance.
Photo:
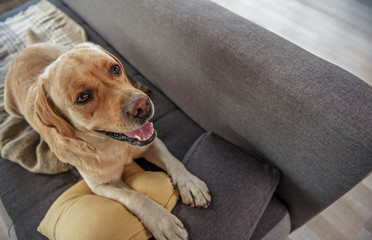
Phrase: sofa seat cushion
(241, 189)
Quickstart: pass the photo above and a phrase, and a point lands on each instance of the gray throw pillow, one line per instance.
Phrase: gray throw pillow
(241, 189)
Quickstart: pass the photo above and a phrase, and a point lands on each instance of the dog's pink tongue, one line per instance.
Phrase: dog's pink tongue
(143, 133)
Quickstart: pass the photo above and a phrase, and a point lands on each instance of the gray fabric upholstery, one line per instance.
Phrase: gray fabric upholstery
(275, 222)
(241, 189)
(311, 119)
(178, 132)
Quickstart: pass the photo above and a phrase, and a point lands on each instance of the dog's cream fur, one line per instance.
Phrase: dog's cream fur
(41, 86)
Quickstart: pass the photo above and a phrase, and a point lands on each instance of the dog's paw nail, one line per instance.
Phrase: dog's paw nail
(205, 205)
(192, 204)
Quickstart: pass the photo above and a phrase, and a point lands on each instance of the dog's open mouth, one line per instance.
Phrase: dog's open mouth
(140, 137)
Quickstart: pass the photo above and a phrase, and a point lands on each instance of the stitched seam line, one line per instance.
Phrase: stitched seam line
(187, 161)
(143, 230)
(175, 192)
(273, 186)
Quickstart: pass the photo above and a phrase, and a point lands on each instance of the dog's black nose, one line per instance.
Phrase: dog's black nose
(139, 106)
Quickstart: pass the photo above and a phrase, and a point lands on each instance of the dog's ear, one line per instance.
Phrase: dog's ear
(48, 116)
(59, 133)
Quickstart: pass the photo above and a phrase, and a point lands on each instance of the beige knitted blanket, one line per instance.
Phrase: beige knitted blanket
(18, 141)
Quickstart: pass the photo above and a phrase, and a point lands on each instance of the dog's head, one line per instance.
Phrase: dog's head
(87, 90)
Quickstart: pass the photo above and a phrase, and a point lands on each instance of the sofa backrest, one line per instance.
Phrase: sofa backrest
(311, 119)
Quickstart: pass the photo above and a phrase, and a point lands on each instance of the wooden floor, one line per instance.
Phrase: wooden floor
(339, 31)
(348, 218)
(3, 230)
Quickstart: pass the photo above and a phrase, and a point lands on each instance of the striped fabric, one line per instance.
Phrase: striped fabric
(18, 141)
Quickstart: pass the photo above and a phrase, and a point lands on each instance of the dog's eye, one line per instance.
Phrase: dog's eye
(83, 98)
(115, 69)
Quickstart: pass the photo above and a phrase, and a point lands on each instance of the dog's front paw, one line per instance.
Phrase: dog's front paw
(166, 226)
(193, 191)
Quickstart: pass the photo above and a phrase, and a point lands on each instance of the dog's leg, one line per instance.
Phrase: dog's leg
(159, 221)
(193, 191)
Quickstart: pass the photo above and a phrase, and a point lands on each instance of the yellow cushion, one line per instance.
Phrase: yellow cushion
(80, 214)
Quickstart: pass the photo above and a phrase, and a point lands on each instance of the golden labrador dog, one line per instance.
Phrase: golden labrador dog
(84, 106)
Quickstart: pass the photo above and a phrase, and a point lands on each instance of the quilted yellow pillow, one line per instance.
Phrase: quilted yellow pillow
(80, 214)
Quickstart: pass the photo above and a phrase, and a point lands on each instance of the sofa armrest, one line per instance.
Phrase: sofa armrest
(241, 189)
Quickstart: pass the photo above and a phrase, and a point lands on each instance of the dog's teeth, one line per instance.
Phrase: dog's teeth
(138, 137)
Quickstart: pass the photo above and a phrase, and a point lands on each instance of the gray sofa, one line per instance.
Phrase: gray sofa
(272, 107)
